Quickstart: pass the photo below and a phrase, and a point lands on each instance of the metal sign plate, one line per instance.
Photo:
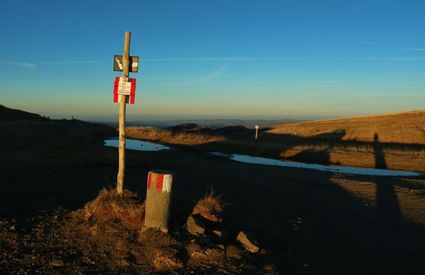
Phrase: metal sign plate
(133, 64)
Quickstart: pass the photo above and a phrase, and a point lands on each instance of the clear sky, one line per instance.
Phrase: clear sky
(217, 58)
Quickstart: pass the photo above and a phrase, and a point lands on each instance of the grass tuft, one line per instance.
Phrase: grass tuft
(210, 207)
(109, 206)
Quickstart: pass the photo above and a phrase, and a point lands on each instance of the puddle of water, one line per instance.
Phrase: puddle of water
(139, 145)
(320, 167)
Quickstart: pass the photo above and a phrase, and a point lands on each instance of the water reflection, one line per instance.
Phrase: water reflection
(139, 145)
(320, 167)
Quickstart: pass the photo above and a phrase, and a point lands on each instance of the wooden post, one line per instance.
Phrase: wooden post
(121, 123)
(158, 194)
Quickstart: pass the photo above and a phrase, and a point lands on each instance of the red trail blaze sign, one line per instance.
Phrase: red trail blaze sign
(125, 88)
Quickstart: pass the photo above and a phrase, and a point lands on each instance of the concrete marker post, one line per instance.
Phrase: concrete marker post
(158, 194)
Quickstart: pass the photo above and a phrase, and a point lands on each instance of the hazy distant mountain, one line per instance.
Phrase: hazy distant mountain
(195, 128)
(214, 123)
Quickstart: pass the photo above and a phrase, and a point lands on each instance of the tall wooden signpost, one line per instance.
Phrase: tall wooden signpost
(124, 92)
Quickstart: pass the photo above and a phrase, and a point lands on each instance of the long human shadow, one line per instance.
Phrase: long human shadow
(386, 198)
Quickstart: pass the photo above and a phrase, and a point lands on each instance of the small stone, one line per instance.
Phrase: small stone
(217, 232)
(234, 252)
(195, 226)
(247, 242)
(56, 263)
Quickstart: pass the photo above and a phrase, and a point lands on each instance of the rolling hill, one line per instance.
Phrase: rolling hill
(405, 128)
(391, 141)
(8, 114)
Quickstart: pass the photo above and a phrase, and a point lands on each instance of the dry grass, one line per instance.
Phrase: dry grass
(406, 128)
(209, 207)
(109, 206)
(357, 156)
(169, 137)
(355, 141)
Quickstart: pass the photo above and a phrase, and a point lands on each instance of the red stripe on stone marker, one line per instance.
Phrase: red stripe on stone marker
(149, 179)
(159, 181)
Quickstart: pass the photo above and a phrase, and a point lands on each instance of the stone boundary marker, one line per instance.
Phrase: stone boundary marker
(158, 196)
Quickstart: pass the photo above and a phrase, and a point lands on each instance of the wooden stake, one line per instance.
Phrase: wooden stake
(121, 123)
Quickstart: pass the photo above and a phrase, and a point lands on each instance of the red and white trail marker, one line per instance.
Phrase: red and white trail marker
(161, 181)
(158, 197)
(122, 87)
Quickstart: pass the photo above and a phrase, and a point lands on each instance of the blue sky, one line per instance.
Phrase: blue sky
(216, 59)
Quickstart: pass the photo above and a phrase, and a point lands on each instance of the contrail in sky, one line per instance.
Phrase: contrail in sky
(33, 65)
(26, 65)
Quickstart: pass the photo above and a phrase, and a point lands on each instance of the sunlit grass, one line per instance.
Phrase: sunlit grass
(169, 137)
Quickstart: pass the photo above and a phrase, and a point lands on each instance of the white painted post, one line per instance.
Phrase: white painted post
(256, 131)
(158, 196)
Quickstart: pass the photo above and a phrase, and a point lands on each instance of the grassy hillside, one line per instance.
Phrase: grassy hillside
(36, 140)
(7, 114)
(389, 141)
(406, 128)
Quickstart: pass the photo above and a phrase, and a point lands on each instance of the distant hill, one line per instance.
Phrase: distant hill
(389, 141)
(8, 114)
(404, 127)
(188, 127)
(195, 128)
(211, 123)
(29, 123)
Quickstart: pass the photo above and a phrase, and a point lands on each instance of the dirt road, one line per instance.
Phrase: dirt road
(310, 221)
